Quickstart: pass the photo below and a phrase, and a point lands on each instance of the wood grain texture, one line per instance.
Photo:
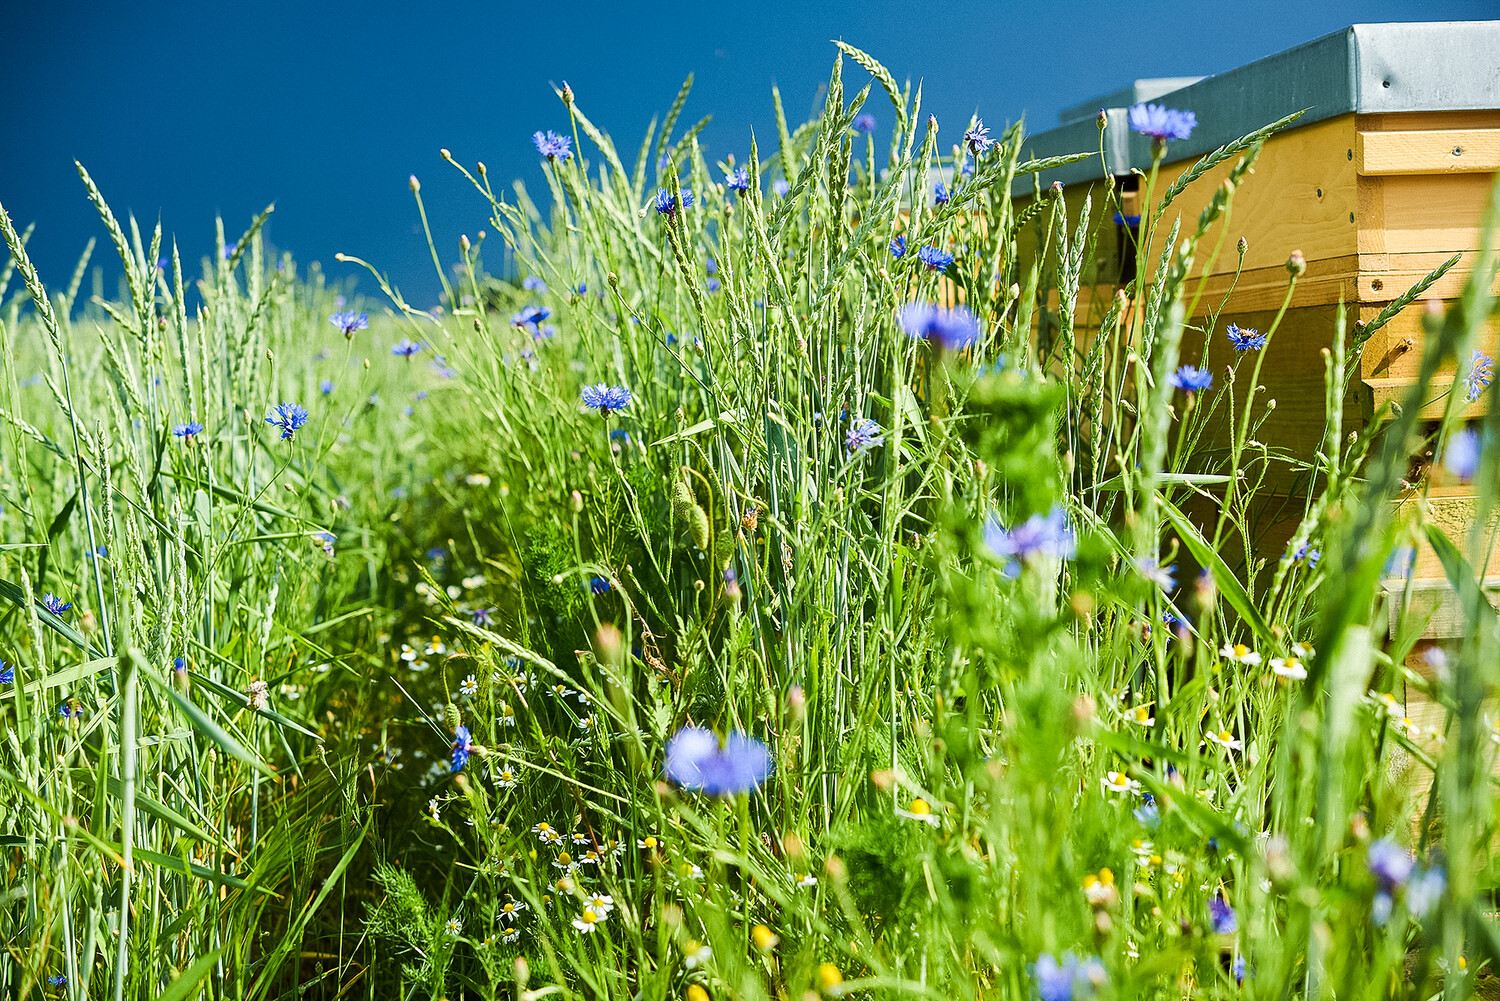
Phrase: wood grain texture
(1429, 151)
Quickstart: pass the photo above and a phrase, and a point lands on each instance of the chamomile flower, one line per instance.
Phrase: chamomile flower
(689, 871)
(600, 903)
(1119, 782)
(1141, 716)
(1239, 653)
(649, 843)
(807, 879)
(433, 809)
(545, 832)
(1226, 740)
(513, 935)
(695, 955)
(591, 857)
(920, 810)
(1302, 650)
(505, 715)
(1099, 890)
(453, 927)
(565, 862)
(506, 779)
(1288, 667)
(588, 921)
(469, 686)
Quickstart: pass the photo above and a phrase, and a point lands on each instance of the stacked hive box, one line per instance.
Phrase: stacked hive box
(1384, 177)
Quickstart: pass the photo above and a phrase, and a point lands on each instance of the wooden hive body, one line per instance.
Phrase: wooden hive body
(1383, 178)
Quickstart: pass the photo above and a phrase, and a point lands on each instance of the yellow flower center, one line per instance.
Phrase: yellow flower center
(1241, 649)
(588, 917)
(920, 807)
(650, 842)
(564, 858)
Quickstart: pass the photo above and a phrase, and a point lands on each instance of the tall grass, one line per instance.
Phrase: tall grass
(979, 766)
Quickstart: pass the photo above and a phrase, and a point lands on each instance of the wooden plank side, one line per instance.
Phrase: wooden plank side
(1429, 151)
(1299, 196)
(1422, 213)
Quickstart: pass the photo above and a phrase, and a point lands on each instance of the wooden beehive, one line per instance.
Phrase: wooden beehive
(1384, 177)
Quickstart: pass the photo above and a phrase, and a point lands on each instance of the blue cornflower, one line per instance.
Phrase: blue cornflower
(1390, 864)
(953, 329)
(1157, 574)
(349, 321)
(1246, 339)
(1190, 379)
(1038, 537)
(54, 604)
(188, 430)
(864, 123)
(1161, 122)
(605, 399)
(1133, 221)
(581, 288)
(621, 435)
(326, 386)
(482, 616)
(463, 746)
(939, 194)
(1222, 915)
(1308, 553)
(935, 259)
(68, 709)
(179, 665)
(325, 539)
(533, 284)
(553, 146)
(696, 761)
(1237, 969)
(862, 436)
(666, 202)
(710, 266)
(1071, 980)
(714, 285)
(1148, 814)
(599, 585)
(406, 347)
(780, 186)
(1425, 889)
(1461, 457)
(7, 673)
(1481, 372)
(738, 179)
(57, 980)
(978, 138)
(898, 247)
(289, 417)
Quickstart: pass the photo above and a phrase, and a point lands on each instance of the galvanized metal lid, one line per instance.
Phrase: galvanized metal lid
(1365, 68)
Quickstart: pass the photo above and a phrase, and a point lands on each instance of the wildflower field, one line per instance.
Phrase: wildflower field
(726, 593)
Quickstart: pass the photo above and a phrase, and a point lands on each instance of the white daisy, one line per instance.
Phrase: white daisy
(514, 935)
(511, 909)
(807, 879)
(507, 716)
(600, 903)
(587, 921)
(1226, 740)
(1240, 654)
(506, 779)
(1141, 716)
(1288, 667)
(695, 955)
(1119, 782)
(453, 927)
(469, 687)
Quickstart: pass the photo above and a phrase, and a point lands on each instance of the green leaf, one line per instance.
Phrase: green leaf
(1228, 584)
(191, 979)
(212, 730)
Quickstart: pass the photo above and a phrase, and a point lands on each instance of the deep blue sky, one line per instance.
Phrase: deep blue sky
(185, 109)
